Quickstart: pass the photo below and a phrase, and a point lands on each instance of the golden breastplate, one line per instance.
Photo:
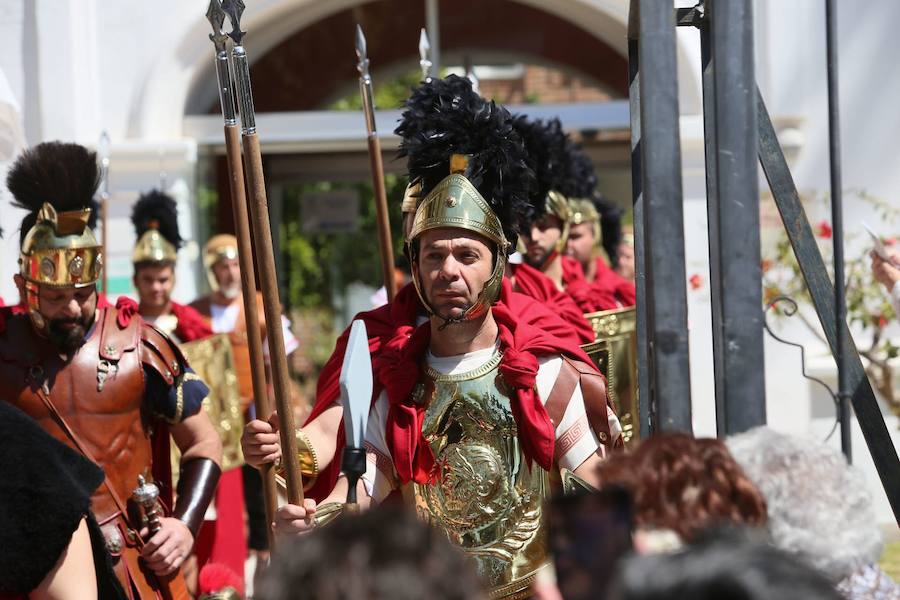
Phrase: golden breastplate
(486, 498)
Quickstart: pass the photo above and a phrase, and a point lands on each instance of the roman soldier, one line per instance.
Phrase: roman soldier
(321, 438)
(223, 310)
(478, 414)
(584, 245)
(97, 378)
(560, 175)
(155, 219)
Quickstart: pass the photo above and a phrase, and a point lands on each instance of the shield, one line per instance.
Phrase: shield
(614, 352)
(213, 360)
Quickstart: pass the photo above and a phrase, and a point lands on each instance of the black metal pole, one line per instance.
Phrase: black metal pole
(645, 412)
(738, 318)
(821, 290)
(663, 218)
(837, 223)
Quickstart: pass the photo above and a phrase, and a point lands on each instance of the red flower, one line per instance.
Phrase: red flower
(890, 241)
(696, 281)
(766, 264)
(824, 230)
(880, 321)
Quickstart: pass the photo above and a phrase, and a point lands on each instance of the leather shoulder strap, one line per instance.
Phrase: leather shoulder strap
(593, 390)
(114, 341)
(161, 354)
(83, 449)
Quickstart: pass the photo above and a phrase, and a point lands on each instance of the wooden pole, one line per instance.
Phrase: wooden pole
(262, 240)
(251, 311)
(382, 216)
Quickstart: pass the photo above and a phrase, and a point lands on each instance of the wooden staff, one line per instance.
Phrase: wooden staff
(261, 232)
(245, 249)
(377, 167)
(103, 149)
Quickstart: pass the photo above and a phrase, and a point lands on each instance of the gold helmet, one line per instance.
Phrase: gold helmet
(582, 210)
(155, 219)
(56, 182)
(221, 246)
(468, 167)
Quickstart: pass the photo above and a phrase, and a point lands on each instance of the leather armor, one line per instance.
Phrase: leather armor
(99, 394)
(485, 497)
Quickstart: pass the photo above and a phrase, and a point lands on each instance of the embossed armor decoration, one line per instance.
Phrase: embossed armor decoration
(213, 360)
(614, 352)
(485, 497)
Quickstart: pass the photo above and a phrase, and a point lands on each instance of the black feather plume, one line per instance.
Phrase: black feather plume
(157, 210)
(581, 178)
(445, 117)
(547, 155)
(65, 175)
(610, 225)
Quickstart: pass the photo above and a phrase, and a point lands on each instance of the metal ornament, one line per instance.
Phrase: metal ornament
(146, 495)
(356, 398)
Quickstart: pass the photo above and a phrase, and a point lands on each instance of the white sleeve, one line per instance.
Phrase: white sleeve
(575, 440)
(380, 477)
(290, 342)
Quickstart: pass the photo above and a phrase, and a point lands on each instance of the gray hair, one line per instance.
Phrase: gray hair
(819, 506)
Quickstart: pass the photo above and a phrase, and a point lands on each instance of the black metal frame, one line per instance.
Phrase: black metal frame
(737, 131)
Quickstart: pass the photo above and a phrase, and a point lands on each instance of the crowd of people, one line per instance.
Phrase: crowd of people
(497, 465)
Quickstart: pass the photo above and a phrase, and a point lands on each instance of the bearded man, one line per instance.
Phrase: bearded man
(99, 379)
(477, 413)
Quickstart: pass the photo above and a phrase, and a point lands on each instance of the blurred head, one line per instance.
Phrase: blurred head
(543, 239)
(728, 567)
(684, 484)
(453, 267)
(625, 260)
(820, 507)
(227, 273)
(385, 553)
(154, 282)
(581, 242)
(67, 313)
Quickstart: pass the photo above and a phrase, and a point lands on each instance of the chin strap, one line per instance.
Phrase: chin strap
(196, 487)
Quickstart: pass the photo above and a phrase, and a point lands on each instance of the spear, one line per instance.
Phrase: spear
(377, 168)
(216, 17)
(262, 240)
(103, 150)
(425, 61)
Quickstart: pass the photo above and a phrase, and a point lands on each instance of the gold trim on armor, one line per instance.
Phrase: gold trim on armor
(484, 369)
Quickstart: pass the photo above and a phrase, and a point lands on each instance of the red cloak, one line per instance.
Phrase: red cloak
(382, 325)
(535, 284)
(610, 282)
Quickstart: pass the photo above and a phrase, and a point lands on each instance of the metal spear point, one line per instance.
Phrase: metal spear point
(356, 398)
(424, 56)
(216, 17)
(234, 9)
(377, 168)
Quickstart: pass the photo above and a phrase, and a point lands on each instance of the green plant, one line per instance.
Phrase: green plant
(868, 309)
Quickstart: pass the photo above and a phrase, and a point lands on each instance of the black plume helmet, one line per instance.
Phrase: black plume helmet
(61, 174)
(446, 117)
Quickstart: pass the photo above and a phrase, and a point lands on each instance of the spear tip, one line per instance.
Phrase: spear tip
(360, 43)
(424, 44)
(216, 17)
(234, 9)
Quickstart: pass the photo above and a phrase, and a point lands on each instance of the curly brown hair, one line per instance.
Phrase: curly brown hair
(685, 484)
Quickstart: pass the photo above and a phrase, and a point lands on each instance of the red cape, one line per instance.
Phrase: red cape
(191, 325)
(535, 284)
(610, 282)
(382, 324)
(587, 296)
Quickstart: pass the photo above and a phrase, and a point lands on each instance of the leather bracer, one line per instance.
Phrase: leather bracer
(196, 487)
